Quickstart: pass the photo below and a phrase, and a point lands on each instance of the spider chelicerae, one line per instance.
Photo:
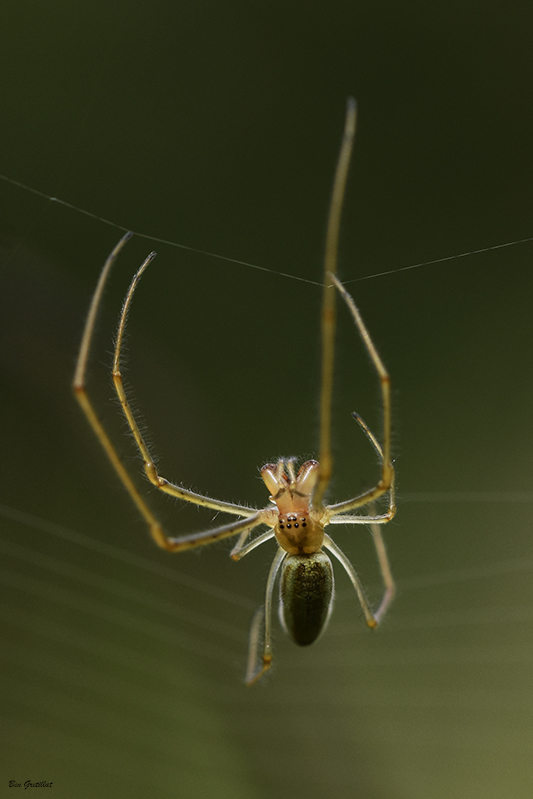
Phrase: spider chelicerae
(296, 515)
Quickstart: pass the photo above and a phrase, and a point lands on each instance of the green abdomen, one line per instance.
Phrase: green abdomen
(306, 596)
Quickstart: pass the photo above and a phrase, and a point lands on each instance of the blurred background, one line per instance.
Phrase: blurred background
(217, 126)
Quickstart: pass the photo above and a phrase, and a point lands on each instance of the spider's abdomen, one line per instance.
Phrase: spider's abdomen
(306, 596)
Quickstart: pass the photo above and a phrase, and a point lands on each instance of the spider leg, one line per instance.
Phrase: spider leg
(240, 549)
(363, 499)
(379, 518)
(328, 323)
(253, 517)
(370, 618)
(386, 573)
(149, 465)
(84, 401)
(375, 521)
(387, 470)
(263, 618)
(239, 527)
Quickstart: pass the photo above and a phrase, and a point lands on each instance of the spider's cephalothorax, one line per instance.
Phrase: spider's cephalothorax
(298, 530)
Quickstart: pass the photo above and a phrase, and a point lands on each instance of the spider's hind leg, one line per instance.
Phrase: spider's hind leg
(263, 620)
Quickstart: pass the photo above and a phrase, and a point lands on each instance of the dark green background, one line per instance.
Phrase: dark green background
(217, 125)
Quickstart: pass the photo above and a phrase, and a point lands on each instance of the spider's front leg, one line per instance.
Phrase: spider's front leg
(252, 518)
(149, 466)
(386, 483)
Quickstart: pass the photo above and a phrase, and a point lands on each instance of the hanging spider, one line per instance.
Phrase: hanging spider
(296, 514)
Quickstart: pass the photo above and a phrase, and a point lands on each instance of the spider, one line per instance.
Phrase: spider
(296, 514)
